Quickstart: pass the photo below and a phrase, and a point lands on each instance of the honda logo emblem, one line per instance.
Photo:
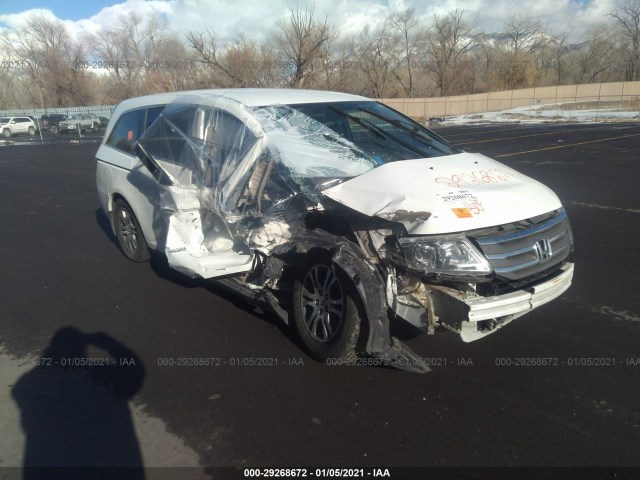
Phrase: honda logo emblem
(543, 250)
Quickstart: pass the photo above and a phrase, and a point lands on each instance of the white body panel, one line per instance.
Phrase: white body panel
(460, 192)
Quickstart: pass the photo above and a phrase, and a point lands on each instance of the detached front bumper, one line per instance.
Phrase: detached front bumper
(474, 316)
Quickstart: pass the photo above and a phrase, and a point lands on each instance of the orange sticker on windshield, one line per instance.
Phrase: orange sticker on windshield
(130, 135)
(462, 212)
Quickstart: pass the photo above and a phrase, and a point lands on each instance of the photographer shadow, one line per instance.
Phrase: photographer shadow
(74, 409)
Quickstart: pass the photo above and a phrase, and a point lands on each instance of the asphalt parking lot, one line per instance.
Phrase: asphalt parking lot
(485, 404)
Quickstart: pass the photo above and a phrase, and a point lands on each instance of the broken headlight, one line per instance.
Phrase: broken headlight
(453, 254)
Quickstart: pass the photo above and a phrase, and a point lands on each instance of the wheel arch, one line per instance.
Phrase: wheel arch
(367, 281)
(369, 284)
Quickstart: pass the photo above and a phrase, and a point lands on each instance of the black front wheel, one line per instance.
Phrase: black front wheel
(325, 311)
(129, 234)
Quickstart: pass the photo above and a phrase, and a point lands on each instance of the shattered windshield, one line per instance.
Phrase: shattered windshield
(345, 139)
(310, 148)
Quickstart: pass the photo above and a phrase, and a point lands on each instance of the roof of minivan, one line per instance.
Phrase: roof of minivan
(250, 96)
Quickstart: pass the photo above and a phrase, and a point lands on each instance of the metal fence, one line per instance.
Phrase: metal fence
(98, 110)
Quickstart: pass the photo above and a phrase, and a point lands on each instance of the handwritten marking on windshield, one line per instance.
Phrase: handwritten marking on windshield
(478, 177)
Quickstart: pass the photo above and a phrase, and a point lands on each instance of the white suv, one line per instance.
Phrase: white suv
(17, 125)
(337, 212)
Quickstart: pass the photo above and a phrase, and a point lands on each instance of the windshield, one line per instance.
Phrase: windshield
(5, 119)
(344, 139)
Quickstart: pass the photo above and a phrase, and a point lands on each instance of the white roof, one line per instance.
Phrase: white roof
(248, 96)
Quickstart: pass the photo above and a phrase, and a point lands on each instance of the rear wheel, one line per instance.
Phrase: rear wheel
(53, 129)
(96, 127)
(31, 131)
(129, 234)
(325, 312)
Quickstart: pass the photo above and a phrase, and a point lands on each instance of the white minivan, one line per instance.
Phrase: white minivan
(334, 210)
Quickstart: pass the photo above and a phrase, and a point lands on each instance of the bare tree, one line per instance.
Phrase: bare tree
(411, 39)
(242, 63)
(450, 38)
(51, 62)
(303, 43)
(593, 62)
(372, 54)
(127, 50)
(628, 18)
(518, 64)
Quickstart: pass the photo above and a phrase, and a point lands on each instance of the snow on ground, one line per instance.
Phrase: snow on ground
(578, 112)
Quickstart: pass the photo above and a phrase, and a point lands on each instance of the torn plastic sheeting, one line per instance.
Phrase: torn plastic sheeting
(202, 143)
(309, 148)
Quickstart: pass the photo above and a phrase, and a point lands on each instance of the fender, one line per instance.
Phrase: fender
(370, 286)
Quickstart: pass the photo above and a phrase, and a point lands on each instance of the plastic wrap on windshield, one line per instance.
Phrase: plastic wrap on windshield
(309, 148)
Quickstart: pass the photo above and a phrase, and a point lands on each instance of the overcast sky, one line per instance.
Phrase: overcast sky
(257, 18)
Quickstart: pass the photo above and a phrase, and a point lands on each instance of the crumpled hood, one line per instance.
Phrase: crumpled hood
(446, 194)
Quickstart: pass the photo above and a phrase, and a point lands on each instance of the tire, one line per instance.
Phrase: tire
(6, 133)
(325, 312)
(53, 129)
(129, 234)
(31, 131)
(96, 128)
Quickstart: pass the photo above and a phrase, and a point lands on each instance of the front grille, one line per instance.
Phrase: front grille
(525, 253)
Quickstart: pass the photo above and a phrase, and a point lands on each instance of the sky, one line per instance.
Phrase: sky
(257, 18)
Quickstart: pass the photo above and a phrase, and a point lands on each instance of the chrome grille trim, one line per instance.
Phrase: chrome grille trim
(525, 233)
(516, 255)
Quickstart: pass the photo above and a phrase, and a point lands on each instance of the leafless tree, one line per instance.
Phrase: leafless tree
(411, 39)
(450, 38)
(372, 55)
(126, 52)
(303, 43)
(628, 19)
(518, 65)
(50, 61)
(594, 61)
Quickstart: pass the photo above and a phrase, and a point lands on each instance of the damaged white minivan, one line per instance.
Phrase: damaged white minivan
(335, 211)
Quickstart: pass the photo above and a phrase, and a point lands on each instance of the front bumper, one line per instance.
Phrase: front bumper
(474, 316)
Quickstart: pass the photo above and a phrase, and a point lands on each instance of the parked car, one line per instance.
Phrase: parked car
(50, 122)
(104, 121)
(334, 210)
(79, 122)
(17, 126)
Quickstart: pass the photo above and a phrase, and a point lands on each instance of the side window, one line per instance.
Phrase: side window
(127, 131)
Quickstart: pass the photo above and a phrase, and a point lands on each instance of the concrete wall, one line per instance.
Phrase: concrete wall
(424, 108)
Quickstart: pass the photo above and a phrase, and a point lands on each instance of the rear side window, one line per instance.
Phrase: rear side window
(127, 131)
(130, 126)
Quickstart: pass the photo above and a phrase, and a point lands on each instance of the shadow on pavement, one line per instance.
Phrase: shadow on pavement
(75, 412)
